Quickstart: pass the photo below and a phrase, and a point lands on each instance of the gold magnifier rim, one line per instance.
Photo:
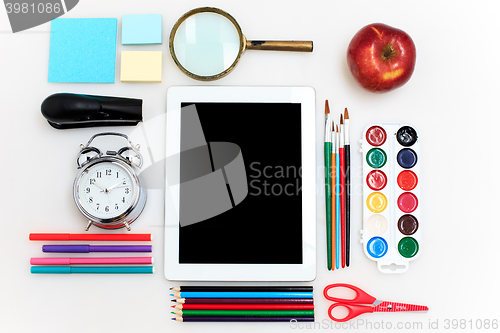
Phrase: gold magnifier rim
(206, 10)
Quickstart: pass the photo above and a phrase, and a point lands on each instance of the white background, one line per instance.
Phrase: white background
(452, 99)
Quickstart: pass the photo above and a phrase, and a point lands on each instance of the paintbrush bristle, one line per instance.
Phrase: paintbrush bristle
(327, 107)
(341, 119)
(336, 128)
(346, 114)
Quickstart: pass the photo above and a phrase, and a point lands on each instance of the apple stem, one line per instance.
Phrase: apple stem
(388, 52)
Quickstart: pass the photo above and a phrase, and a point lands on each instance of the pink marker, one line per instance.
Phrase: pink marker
(91, 261)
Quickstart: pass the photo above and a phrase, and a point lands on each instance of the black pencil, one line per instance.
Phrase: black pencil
(347, 154)
(245, 288)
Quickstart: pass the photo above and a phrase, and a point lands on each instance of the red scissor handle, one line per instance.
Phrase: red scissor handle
(361, 296)
(354, 311)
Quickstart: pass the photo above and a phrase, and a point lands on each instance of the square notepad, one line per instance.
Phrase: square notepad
(141, 29)
(141, 66)
(82, 50)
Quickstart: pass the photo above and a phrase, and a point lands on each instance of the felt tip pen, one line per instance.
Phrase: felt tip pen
(201, 294)
(85, 248)
(90, 237)
(92, 261)
(92, 270)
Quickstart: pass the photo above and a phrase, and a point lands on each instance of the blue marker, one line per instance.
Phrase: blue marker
(92, 270)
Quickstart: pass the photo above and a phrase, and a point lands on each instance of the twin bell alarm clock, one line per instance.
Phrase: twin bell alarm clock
(107, 189)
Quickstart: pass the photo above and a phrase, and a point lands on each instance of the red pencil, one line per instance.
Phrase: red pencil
(90, 237)
(342, 190)
(243, 307)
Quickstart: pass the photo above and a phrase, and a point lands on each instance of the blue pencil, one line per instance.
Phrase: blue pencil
(92, 270)
(337, 200)
(241, 294)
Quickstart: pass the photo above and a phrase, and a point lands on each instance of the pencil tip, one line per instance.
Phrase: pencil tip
(173, 318)
(346, 114)
(327, 107)
(172, 306)
(173, 300)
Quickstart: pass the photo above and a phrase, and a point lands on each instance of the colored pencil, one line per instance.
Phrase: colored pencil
(241, 319)
(92, 261)
(337, 197)
(347, 188)
(242, 294)
(195, 300)
(90, 237)
(333, 182)
(342, 189)
(328, 187)
(85, 248)
(245, 313)
(92, 270)
(244, 306)
(244, 288)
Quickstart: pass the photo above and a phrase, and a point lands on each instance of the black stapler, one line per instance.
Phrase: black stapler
(65, 110)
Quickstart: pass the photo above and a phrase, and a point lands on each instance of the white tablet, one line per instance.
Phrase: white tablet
(240, 194)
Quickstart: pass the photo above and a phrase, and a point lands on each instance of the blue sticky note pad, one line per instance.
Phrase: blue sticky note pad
(82, 50)
(141, 29)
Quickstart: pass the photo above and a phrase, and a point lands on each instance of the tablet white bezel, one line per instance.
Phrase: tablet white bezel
(306, 271)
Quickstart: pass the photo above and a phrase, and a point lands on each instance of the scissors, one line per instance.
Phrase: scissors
(355, 308)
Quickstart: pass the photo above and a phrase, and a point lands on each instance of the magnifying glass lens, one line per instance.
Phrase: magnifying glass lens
(206, 44)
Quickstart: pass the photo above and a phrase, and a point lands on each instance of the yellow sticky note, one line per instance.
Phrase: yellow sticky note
(141, 66)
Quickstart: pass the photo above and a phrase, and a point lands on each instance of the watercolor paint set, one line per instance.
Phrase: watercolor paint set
(391, 233)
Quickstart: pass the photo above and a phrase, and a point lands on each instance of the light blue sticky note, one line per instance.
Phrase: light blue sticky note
(141, 29)
(83, 50)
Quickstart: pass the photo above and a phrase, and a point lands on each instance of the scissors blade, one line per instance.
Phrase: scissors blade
(399, 307)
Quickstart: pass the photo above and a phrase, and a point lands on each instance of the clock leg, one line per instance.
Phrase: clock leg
(88, 226)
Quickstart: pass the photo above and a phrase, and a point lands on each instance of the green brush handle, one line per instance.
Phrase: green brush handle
(328, 197)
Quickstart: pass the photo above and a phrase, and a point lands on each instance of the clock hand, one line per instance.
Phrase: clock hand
(112, 187)
(102, 188)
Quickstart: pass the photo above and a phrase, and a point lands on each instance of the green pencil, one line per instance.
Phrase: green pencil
(328, 185)
(246, 313)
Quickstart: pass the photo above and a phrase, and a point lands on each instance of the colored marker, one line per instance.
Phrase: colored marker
(85, 248)
(92, 261)
(243, 294)
(92, 270)
(90, 237)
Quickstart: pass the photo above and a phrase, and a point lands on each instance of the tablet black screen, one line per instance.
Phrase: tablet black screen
(265, 227)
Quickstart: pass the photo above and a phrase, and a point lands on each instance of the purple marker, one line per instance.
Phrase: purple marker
(85, 248)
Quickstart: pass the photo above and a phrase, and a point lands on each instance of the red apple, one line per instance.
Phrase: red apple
(381, 58)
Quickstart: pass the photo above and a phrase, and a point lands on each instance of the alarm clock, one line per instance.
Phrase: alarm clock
(107, 189)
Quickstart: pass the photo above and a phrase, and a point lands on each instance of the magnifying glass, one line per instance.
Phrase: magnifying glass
(206, 44)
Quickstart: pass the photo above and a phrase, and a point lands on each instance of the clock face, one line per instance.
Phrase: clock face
(106, 190)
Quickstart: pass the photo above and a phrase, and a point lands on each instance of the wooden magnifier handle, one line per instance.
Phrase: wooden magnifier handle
(272, 45)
